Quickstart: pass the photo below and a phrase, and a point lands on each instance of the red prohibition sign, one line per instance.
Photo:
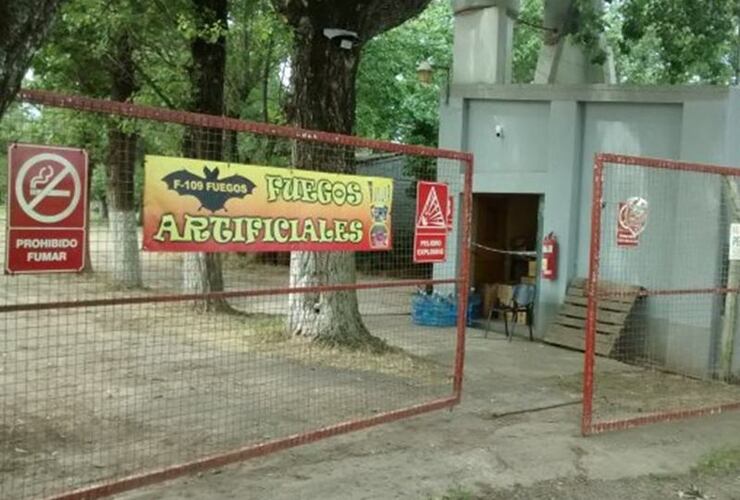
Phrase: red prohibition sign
(45, 186)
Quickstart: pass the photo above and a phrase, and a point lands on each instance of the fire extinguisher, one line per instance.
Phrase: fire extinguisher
(550, 257)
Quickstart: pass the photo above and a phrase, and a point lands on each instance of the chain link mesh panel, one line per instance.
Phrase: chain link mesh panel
(662, 293)
(151, 365)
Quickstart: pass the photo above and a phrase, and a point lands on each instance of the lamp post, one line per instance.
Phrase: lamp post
(425, 74)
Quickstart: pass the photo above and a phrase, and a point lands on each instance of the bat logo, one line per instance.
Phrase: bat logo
(211, 192)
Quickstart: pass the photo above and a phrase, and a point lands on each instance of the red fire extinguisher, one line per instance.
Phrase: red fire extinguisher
(550, 257)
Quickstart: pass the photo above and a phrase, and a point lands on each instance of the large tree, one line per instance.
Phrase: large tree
(203, 272)
(97, 49)
(324, 70)
(392, 103)
(670, 41)
(121, 166)
(23, 26)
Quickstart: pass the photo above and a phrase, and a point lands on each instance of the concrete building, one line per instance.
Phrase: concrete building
(534, 147)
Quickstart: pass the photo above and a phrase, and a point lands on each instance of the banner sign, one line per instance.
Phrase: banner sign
(47, 209)
(208, 206)
(631, 221)
(433, 215)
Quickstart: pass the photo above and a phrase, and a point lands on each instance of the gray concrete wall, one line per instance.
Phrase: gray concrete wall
(633, 129)
(393, 166)
(550, 135)
(452, 135)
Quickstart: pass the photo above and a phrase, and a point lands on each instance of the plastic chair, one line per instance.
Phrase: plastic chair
(522, 301)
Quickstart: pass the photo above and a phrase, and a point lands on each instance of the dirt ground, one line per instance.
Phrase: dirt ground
(499, 444)
(93, 394)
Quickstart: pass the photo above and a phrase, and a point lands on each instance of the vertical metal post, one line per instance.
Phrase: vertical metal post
(464, 283)
(592, 290)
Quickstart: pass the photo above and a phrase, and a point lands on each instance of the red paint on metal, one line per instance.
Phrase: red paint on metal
(47, 209)
(593, 277)
(688, 291)
(588, 426)
(118, 485)
(430, 230)
(45, 97)
(606, 294)
(623, 424)
(464, 283)
(214, 461)
(641, 161)
(153, 299)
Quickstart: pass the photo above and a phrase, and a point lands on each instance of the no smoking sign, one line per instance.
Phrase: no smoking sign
(47, 209)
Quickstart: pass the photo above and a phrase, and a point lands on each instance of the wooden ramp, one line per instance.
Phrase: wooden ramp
(569, 327)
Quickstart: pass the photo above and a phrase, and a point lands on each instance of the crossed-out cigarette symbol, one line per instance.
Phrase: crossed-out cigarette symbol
(43, 185)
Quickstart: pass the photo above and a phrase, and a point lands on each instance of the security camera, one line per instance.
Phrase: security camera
(499, 131)
(345, 38)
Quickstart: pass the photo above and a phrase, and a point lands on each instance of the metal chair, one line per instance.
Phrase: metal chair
(522, 301)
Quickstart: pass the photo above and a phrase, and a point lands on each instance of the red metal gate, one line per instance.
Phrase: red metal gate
(664, 278)
(129, 374)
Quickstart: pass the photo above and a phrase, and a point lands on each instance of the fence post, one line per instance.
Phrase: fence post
(593, 277)
(733, 281)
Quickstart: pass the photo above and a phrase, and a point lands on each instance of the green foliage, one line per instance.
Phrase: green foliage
(527, 41)
(673, 42)
(458, 493)
(258, 50)
(391, 101)
(97, 184)
(80, 54)
(586, 27)
(720, 461)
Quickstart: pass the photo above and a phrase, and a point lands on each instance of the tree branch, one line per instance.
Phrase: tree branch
(154, 86)
(383, 15)
(367, 17)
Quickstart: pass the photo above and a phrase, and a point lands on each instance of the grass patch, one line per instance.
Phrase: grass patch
(393, 361)
(457, 493)
(262, 333)
(720, 461)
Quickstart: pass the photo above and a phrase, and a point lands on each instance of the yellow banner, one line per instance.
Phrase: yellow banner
(208, 206)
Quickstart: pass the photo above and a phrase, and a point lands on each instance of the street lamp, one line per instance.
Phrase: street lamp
(425, 74)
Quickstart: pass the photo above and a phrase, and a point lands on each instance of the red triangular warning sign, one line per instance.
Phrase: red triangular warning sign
(432, 216)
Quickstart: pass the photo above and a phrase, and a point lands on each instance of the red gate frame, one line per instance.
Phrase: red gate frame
(588, 426)
(115, 486)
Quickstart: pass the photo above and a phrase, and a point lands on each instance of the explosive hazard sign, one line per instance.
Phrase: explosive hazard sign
(47, 209)
(433, 220)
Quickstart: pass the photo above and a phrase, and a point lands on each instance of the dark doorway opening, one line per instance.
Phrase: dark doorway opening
(506, 236)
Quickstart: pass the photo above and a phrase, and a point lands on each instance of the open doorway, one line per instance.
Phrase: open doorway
(506, 233)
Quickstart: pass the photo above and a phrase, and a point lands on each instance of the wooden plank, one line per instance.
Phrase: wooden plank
(568, 328)
(575, 339)
(608, 305)
(603, 328)
(617, 292)
(612, 285)
(603, 315)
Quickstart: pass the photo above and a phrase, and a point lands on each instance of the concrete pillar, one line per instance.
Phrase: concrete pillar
(484, 33)
(562, 204)
(562, 61)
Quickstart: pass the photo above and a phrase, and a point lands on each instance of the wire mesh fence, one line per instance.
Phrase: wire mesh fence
(662, 293)
(151, 364)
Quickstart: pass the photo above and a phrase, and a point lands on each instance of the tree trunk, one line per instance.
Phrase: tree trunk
(23, 26)
(323, 76)
(121, 166)
(203, 272)
(324, 99)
